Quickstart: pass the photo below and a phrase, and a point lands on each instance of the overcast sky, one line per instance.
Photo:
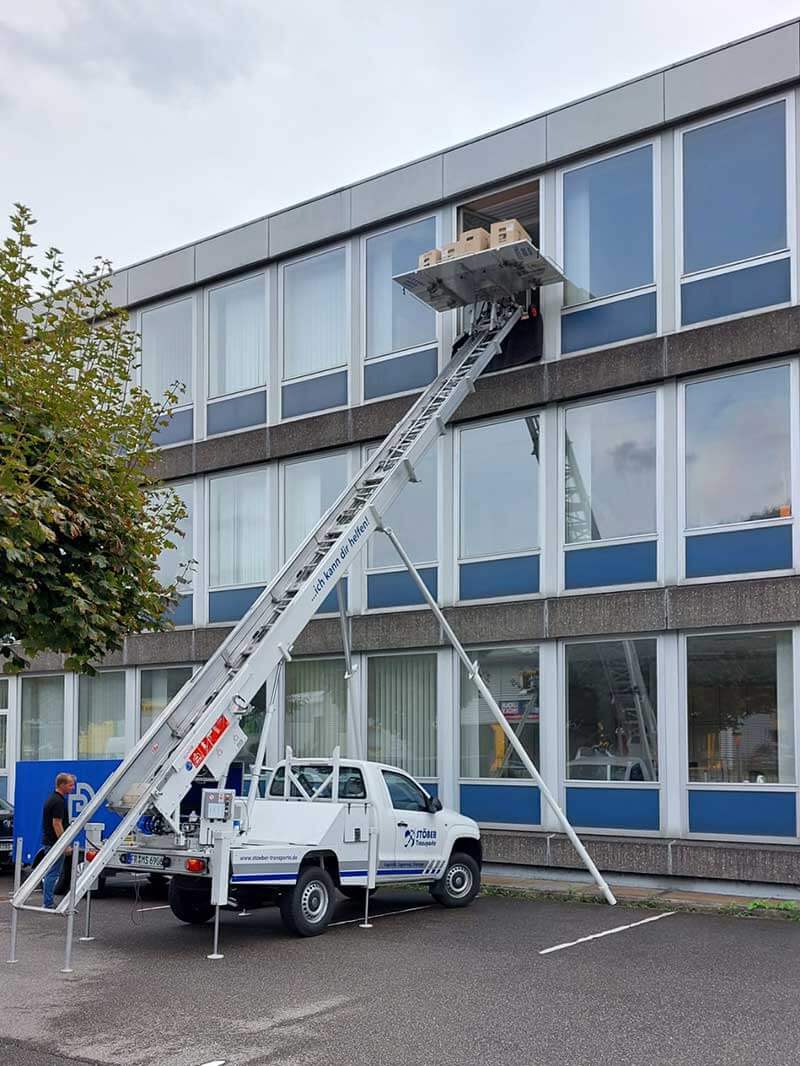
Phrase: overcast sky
(133, 126)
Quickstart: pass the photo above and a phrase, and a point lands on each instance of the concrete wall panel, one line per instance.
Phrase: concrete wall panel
(495, 157)
(735, 71)
(619, 113)
(229, 251)
(400, 190)
(309, 223)
(160, 276)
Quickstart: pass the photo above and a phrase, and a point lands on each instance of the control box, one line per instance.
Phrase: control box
(218, 814)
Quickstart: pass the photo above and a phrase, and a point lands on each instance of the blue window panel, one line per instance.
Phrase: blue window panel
(398, 589)
(400, 375)
(742, 551)
(613, 808)
(182, 614)
(315, 394)
(3, 788)
(608, 323)
(734, 188)
(735, 292)
(229, 605)
(331, 602)
(431, 787)
(499, 577)
(614, 564)
(237, 412)
(745, 813)
(179, 428)
(512, 804)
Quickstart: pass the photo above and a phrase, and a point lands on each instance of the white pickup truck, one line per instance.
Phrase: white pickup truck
(298, 843)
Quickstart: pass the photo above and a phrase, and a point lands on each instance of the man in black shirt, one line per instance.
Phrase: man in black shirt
(55, 819)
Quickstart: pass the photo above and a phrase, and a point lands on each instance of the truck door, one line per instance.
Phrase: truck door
(417, 832)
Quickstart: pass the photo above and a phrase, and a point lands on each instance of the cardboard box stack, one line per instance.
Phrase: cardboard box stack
(507, 232)
(476, 240)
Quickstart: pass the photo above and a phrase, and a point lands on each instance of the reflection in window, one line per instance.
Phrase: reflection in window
(608, 226)
(157, 689)
(251, 724)
(315, 325)
(316, 706)
(401, 710)
(167, 349)
(734, 188)
(741, 708)
(3, 742)
(237, 344)
(173, 563)
(610, 469)
(611, 711)
(500, 488)
(737, 448)
(512, 676)
(396, 320)
(42, 720)
(412, 516)
(312, 777)
(238, 535)
(310, 487)
(404, 793)
(101, 716)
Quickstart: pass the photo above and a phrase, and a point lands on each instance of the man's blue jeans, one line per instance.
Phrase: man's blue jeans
(50, 881)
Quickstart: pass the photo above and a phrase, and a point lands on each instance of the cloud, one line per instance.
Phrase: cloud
(162, 49)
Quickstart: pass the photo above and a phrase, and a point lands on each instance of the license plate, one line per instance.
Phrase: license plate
(148, 860)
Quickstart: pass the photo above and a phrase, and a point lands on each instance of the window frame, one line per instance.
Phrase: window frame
(77, 679)
(436, 341)
(70, 713)
(684, 785)
(297, 460)
(789, 251)
(196, 360)
(280, 319)
(794, 475)
(191, 588)
(386, 768)
(637, 538)
(209, 397)
(541, 502)
(6, 715)
(266, 471)
(654, 142)
(441, 724)
(136, 711)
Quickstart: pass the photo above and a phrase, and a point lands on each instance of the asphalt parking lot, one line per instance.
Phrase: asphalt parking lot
(423, 986)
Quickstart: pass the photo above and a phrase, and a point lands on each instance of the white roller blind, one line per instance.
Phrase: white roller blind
(316, 706)
(315, 335)
(237, 343)
(167, 345)
(239, 535)
(402, 712)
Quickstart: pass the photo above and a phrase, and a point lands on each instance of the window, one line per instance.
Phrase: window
(401, 712)
(499, 488)
(512, 676)
(404, 793)
(610, 469)
(315, 314)
(237, 349)
(395, 320)
(608, 226)
(740, 708)
(167, 348)
(351, 781)
(316, 706)
(174, 563)
(101, 716)
(734, 188)
(239, 536)
(42, 719)
(738, 448)
(251, 723)
(157, 688)
(611, 711)
(310, 487)
(413, 517)
(4, 686)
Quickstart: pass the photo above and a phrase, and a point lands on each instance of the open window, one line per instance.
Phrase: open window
(524, 343)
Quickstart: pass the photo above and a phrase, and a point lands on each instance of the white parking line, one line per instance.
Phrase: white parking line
(606, 932)
(161, 907)
(384, 914)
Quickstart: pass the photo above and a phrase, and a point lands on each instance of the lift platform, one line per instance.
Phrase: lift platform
(492, 275)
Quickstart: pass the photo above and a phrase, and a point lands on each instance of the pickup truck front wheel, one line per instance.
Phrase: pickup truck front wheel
(306, 909)
(189, 906)
(459, 884)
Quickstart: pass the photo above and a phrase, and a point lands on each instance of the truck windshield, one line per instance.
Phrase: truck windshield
(351, 781)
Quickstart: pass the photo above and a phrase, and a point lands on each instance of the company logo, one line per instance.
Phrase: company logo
(82, 795)
(204, 748)
(420, 838)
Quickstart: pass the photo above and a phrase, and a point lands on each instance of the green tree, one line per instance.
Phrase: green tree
(83, 519)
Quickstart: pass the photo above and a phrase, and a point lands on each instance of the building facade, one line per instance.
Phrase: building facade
(610, 521)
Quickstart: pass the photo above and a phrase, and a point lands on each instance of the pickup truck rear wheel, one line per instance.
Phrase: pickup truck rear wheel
(459, 884)
(306, 909)
(194, 908)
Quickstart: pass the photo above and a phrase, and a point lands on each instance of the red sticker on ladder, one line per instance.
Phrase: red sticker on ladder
(206, 745)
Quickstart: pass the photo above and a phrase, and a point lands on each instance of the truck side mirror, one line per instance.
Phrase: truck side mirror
(434, 804)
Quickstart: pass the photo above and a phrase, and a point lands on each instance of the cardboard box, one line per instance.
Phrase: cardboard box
(429, 259)
(450, 251)
(473, 240)
(507, 232)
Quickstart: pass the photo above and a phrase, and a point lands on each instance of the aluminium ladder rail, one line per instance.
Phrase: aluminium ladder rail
(201, 718)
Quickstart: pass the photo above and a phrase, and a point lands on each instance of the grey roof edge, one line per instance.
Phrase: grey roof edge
(460, 144)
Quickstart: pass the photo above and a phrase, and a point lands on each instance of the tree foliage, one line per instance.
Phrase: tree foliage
(82, 518)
